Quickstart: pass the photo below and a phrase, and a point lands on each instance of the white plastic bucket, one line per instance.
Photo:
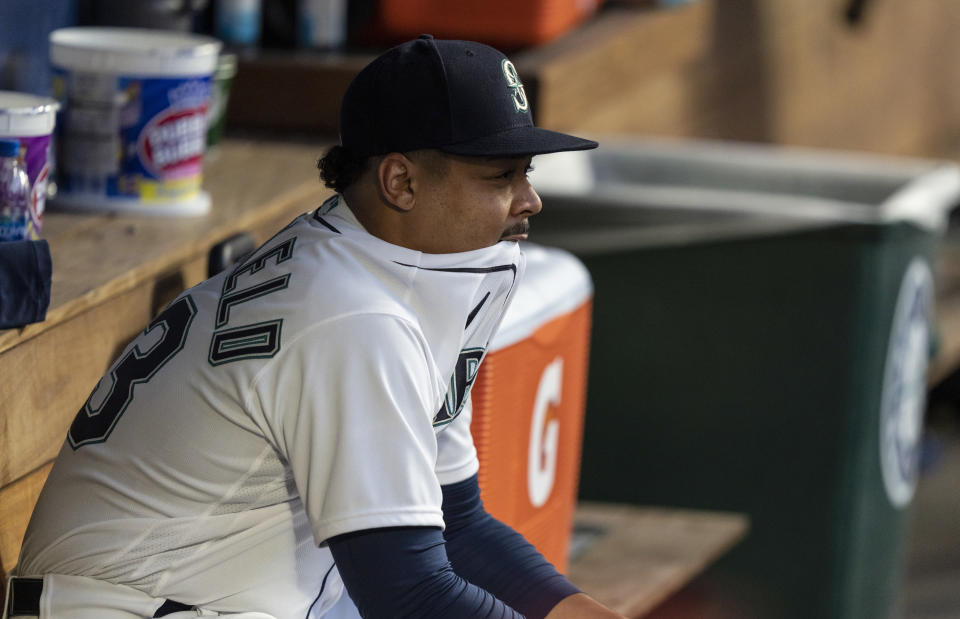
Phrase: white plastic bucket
(30, 120)
(132, 133)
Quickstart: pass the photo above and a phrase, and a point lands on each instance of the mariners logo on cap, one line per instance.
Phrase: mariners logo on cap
(513, 81)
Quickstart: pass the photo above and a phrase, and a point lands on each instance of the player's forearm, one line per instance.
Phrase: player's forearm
(493, 556)
(404, 572)
(498, 559)
(581, 606)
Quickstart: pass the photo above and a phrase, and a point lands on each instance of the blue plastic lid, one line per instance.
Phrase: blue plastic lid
(9, 148)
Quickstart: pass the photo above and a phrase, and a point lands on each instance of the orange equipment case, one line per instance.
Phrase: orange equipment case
(505, 24)
(528, 403)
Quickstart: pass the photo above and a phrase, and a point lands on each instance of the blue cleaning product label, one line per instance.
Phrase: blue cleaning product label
(140, 138)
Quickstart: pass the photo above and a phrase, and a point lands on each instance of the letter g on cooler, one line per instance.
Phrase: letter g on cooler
(544, 435)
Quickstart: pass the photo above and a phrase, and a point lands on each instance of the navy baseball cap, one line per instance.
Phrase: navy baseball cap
(459, 97)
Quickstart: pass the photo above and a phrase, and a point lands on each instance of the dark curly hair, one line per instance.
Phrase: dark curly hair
(340, 168)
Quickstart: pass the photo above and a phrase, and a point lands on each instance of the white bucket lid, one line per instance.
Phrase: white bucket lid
(134, 51)
(25, 116)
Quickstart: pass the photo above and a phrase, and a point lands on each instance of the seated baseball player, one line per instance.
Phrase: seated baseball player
(291, 438)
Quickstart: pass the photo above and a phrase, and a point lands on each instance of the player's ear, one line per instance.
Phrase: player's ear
(395, 176)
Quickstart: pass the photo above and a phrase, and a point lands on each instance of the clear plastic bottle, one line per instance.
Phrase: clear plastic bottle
(237, 22)
(14, 193)
(322, 24)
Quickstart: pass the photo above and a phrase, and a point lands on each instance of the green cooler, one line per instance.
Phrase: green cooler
(762, 327)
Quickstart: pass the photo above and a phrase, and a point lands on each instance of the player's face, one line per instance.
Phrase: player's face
(476, 202)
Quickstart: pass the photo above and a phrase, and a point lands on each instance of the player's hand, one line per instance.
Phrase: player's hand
(581, 606)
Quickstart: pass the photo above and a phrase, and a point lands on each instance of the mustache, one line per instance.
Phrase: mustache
(522, 227)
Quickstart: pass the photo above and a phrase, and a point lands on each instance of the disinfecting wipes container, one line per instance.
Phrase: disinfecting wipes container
(30, 120)
(132, 131)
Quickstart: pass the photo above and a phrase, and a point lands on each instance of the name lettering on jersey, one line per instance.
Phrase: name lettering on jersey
(227, 301)
(281, 253)
(468, 364)
(252, 341)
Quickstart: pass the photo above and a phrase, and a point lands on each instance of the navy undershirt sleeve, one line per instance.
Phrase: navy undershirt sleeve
(483, 568)
(493, 556)
(404, 572)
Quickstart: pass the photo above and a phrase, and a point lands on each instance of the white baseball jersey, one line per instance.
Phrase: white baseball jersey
(312, 390)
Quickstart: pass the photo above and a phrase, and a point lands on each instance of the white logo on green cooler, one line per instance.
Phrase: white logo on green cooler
(904, 384)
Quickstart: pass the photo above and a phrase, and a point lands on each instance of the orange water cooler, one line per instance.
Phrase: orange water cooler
(505, 24)
(529, 399)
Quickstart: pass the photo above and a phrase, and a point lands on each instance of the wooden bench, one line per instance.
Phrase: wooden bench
(634, 558)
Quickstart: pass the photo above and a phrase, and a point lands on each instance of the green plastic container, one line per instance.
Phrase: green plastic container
(762, 321)
(219, 98)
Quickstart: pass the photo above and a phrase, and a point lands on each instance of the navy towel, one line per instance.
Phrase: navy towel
(25, 271)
